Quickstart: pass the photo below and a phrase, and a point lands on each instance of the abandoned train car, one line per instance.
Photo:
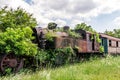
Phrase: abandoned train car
(111, 44)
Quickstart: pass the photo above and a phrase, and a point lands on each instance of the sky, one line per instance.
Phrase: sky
(100, 14)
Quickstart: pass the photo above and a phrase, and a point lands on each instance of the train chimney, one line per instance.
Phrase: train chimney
(66, 28)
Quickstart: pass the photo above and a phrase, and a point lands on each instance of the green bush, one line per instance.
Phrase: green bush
(42, 56)
(55, 57)
(101, 49)
(73, 34)
(49, 35)
(18, 41)
(63, 55)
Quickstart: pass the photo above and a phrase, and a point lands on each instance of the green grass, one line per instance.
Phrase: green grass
(100, 69)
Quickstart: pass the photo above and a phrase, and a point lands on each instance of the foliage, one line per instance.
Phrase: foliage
(55, 57)
(110, 33)
(73, 34)
(16, 33)
(97, 37)
(17, 41)
(42, 56)
(59, 29)
(63, 55)
(101, 48)
(49, 35)
(85, 27)
(114, 33)
(70, 32)
(19, 18)
(52, 25)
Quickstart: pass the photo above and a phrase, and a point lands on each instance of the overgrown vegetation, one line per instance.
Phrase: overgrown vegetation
(55, 57)
(97, 69)
(53, 29)
(85, 27)
(18, 18)
(17, 41)
(73, 34)
(95, 35)
(16, 32)
(114, 33)
(50, 35)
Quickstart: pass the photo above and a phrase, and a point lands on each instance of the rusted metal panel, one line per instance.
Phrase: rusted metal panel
(62, 34)
(92, 47)
(97, 46)
(113, 43)
(112, 50)
(82, 44)
(61, 42)
(89, 46)
(118, 50)
(58, 42)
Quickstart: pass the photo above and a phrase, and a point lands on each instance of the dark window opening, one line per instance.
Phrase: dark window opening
(83, 36)
(117, 44)
(90, 38)
(93, 44)
(110, 43)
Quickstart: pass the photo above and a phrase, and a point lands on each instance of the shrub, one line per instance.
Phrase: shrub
(49, 35)
(101, 49)
(73, 34)
(42, 56)
(55, 57)
(63, 55)
(17, 41)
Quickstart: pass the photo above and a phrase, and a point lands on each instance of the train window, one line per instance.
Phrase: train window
(117, 44)
(83, 36)
(110, 43)
(90, 37)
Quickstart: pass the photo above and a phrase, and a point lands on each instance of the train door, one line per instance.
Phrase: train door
(104, 43)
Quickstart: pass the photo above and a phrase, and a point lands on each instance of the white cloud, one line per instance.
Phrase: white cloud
(117, 21)
(60, 22)
(74, 22)
(61, 11)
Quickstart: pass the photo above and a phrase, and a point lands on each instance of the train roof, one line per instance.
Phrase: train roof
(109, 37)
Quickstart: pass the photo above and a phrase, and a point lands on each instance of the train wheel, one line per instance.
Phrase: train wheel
(10, 63)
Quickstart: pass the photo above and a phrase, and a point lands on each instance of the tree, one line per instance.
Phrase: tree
(117, 33)
(15, 19)
(16, 33)
(110, 33)
(85, 27)
(52, 25)
(114, 33)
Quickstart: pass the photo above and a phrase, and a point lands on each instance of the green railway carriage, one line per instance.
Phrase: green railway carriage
(111, 44)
